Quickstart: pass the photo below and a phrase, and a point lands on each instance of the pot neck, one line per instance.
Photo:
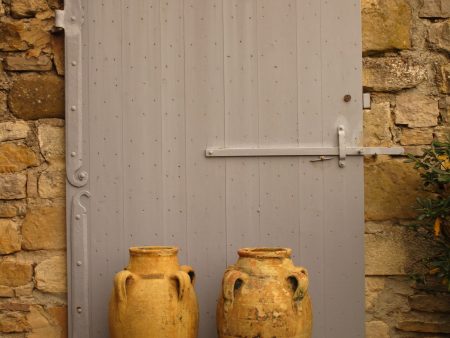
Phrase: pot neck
(265, 253)
(153, 260)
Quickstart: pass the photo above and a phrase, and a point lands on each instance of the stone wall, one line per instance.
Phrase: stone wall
(406, 53)
(32, 180)
(406, 69)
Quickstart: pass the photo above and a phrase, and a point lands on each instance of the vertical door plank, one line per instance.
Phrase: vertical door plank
(343, 238)
(142, 141)
(173, 125)
(310, 128)
(277, 80)
(106, 210)
(205, 127)
(241, 124)
(341, 70)
(344, 249)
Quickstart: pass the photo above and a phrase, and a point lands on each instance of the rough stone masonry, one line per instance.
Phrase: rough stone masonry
(406, 69)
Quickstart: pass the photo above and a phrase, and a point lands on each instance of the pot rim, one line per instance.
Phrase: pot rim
(265, 252)
(153, 250)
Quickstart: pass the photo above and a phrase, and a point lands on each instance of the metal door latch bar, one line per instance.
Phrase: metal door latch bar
(324, 153)
(342, 152)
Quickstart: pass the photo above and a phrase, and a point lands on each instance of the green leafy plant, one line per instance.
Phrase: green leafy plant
(433, 221)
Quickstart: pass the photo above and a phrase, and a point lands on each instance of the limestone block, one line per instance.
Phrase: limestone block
(3, 104)
(435, 9)
(391, 189)
(59, 316)
(430, 302)
(24, 63)
(24, 290)
(444, 79)
(11, 322)
(10, 39)
(44, 228)
(32, 184)
(15, 273)
(10, 209)
(437, 326)
(13, 130)
(377, 329)
(27, 8)
(386, 25)
(13, 186)
(439, 35)
(384, 74)
(40, 325)
(377, 125)
(373, 286)
(416, 110)
(15, 158)
(51, 142)
(35, 96)
(442, 133)
(51, 275)
(52, 184)
(416, 136)
(9, 236)
(4, 82)
(6, 292)
(58, 52)
(393, 251)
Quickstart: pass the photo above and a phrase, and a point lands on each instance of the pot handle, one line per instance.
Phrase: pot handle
(299, 282)
(120, 284)
(183, 280)
(120, 289)
(232, 281)
(190, 271)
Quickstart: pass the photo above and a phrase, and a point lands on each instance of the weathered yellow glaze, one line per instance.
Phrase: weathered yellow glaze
(264, 295)
(153, 297)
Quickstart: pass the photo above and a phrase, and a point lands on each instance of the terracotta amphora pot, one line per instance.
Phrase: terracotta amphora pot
(153, 297)
(264, 295)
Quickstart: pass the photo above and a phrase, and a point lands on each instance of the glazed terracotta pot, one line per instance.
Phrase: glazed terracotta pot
(264, 295)
(153, 297)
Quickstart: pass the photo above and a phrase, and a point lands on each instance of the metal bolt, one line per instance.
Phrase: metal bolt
(341, 164)
(79, 263)
(79, 309)
(77, 217)
(347, 98)
(82, 175)
(210, 152)
(73, 108)
(73, 154)
(74, 63)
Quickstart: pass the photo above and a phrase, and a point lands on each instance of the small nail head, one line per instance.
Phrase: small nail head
(73, 108)
(79, 263)
(73, 18)
(73, 154)
(347, 98)
(210, 152)
(74, 63)
(78, 217)
(79, 309)
(82, 175)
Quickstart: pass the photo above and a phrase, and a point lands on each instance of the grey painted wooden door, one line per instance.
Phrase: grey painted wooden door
(151, 84)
